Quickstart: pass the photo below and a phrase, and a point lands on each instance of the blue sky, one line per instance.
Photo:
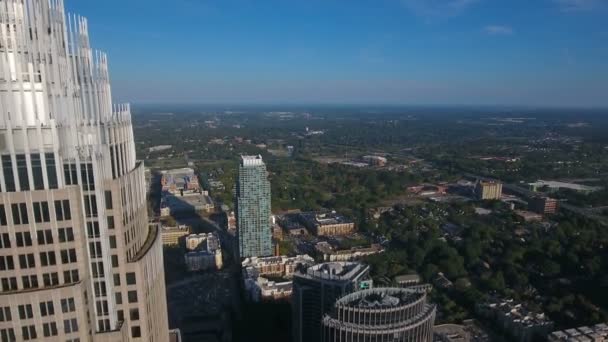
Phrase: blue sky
(433, 52)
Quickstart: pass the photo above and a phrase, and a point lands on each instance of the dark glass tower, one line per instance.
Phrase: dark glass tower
(315, 291)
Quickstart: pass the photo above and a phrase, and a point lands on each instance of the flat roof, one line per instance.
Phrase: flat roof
(335, 271)
(251, 160)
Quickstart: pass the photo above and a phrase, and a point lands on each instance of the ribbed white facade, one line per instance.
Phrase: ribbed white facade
(381, 315)
(73, 219)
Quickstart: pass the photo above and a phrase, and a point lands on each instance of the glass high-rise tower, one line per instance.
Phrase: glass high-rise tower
(79, 260)
(253, 208)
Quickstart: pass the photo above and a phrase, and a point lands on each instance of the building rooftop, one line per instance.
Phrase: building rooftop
(452, 332)
(517, 312)
(385, 311)
(252, 266)
(255, 261)
(598, 332)
(484, 182)
(325, 218)
(335, 271)
(185, 171)
(265, 284)
(407, 278)
(251, 160)
(193, 201)
(380, 299)
(177, 180)
(180, 228)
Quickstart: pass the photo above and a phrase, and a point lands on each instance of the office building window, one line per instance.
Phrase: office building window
(41, 212)
(7, 263)
(131, 278)
(24, 239)
(62, 210)
(70, 277)
(50, 279)
(45, 237)
(66, 234)
(20, 213)
(104, 324)
(29, 332)
(90, 205)
(134, 314)
(30, 281)
(102, 307)
(24, 180)
(68, 305)
(25, 311)
(5, 314)
(108, 196)
(135, 331)
(3, 221)
(37, 171)
(70, 174)
(49, 329)
(27, 261)
(48, 258)
(95, 249)
(70, 325)
(100, 288)
(68, 256)
(5, 241)
(97, 269)
(7, 335)
(111, 222)
(51, 170)
(132, 297)
(86, 172)
(9, 284)
(93, 229)
(9, 177)
(47, 309)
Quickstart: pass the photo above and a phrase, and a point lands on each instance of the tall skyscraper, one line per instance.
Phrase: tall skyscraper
(315, 291)
(253, 208)
(78, 259)
(381, 314)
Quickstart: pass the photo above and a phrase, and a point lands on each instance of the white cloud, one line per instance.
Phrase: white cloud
(578, 5)
(498, 30)
(434, 8)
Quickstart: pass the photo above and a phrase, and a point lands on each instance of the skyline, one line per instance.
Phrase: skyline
(398, 52)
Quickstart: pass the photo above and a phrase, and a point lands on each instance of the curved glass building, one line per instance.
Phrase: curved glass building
(381, 315)
(78, 259)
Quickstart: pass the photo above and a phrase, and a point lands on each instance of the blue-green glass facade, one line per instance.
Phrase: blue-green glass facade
(253, 208)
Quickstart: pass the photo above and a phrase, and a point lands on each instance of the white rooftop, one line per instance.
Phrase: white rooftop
(252, 160)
